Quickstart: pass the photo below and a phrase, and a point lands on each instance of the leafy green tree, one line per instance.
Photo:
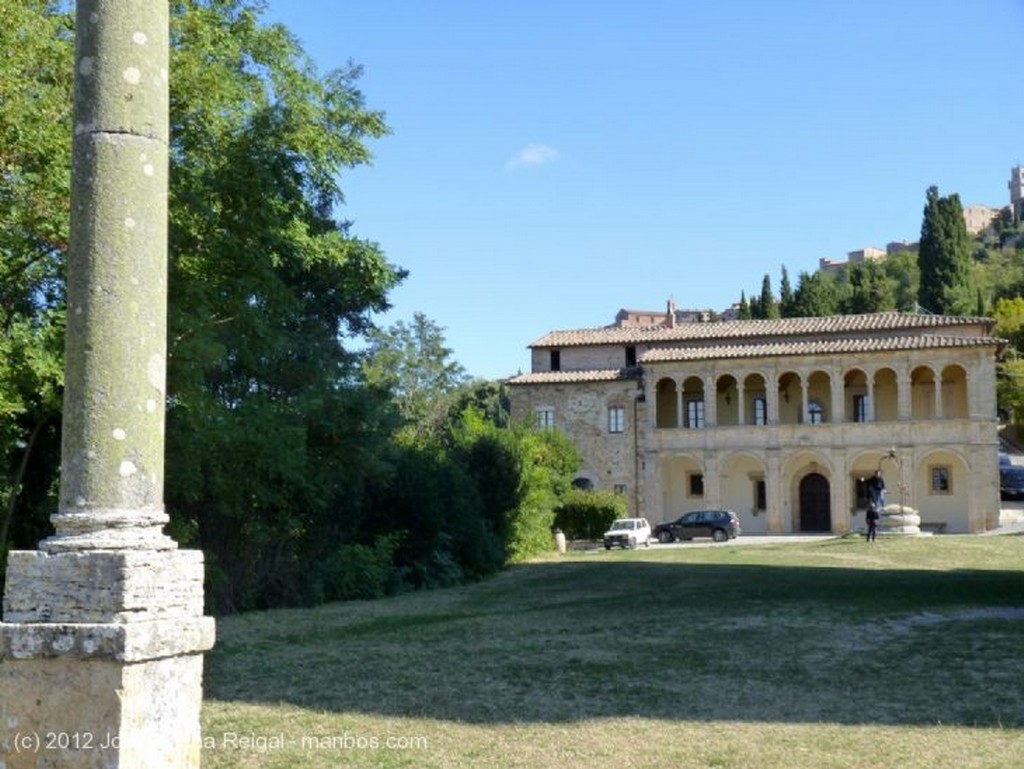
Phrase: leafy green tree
(868, 289)
(270, 436)
(412, 363)
(816, 296)
(944, 257)
(901, 268)
(547, 461)
(35, 148)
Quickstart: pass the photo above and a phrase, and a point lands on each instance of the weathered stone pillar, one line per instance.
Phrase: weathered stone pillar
(103, 628)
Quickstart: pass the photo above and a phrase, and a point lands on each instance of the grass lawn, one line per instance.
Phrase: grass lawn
(904, 653)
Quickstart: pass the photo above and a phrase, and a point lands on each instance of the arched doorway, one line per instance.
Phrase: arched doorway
(815, 503)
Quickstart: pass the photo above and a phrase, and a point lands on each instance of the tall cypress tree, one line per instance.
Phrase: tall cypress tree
(944, 257)
(785, 295)
(768, 307)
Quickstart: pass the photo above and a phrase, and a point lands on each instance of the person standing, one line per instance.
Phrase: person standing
(872, 518)
(878, 491)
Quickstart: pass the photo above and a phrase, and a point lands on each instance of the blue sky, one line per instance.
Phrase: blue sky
(553, 162)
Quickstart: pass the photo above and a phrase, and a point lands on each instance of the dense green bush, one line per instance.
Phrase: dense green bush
(588, 514)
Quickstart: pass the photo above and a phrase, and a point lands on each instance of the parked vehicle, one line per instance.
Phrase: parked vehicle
(1004, 459)
(1011, 482)
(720, 525)
(627, 533)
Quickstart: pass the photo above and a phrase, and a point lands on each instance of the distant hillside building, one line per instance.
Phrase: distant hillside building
(979, 218)
(779, 420)
(1016, 186)
(868, 254)
(898, 246)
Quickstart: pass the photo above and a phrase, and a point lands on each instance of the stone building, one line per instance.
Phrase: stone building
(781, 421)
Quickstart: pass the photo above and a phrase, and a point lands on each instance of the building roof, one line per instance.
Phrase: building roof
(818, 347)
(574, 377)
(873, 324)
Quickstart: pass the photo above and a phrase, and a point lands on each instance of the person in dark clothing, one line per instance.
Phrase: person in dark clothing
(872, 518)
(878, 491)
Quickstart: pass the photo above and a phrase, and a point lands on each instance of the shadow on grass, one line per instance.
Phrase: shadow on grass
(564, 641)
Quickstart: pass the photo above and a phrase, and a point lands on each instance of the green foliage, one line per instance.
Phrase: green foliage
(355, 571)
(786, 296)
(412, 364)
(547, 461)
(866, 288)
(744, 310)
(588, 514)
(901, 268)
(944, 257)
(767, 308)
(816, 296)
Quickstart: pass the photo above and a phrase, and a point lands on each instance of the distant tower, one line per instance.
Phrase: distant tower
(1016, 186)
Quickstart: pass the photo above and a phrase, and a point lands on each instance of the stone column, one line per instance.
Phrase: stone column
(103, 628)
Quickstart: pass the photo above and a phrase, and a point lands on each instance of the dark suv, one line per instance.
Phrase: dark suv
(1011, 482)
(720, 525)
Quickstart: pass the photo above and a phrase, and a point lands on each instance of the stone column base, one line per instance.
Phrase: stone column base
(99, 713)
(101, 660)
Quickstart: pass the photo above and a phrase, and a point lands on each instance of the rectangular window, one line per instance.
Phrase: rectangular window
(556, 360)
(620, 488)
(630, 356)
(546, 418)
(860, 408)
(760, 411)
(696, 484)
(942, 479)
(616, 419)
(760, 495)
(695, 413)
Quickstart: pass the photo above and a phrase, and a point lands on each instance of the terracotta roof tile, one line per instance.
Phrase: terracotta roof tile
(817, 347)
(875, 323)
(564, 377)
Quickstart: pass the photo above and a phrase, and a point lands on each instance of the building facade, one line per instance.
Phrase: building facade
(782, 421)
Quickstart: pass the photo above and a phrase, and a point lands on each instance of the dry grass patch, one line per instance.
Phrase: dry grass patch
(905, 654)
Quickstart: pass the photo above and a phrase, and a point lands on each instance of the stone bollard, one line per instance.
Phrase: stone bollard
(560, 544)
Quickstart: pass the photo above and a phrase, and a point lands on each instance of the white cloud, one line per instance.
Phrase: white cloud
(532, 155)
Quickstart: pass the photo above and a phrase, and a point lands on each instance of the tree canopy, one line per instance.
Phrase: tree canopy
(944, 257)
(283, 461)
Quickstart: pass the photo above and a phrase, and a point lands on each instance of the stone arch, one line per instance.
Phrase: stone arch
(819, 391)
(727, 402)
(856, 396)
(790, 398)
(954, 392)
(694, 415)
(755, 389)
(942, 496)
(740, 475)
(815, 503)
(887, 398)
(586, 480)
(797, 467)
(677, 476)
(861, 468)
(922, 392)
(666, 404)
